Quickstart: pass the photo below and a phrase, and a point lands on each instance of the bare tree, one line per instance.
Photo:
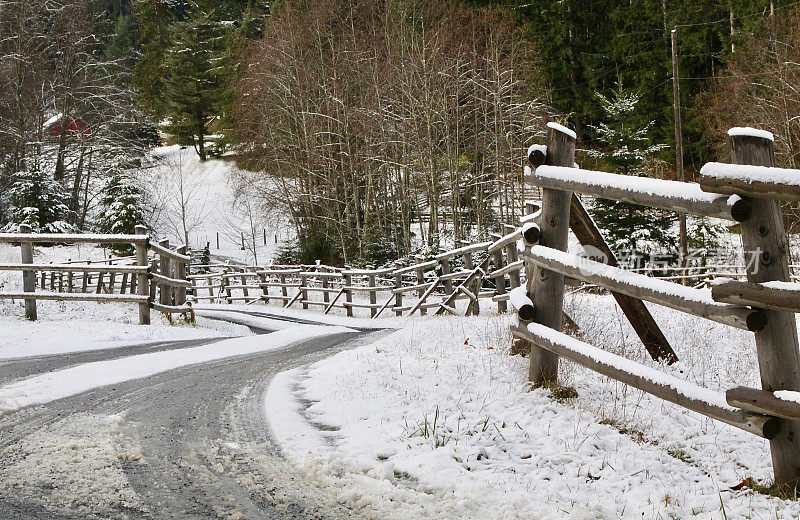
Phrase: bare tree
(251, 214)
(177, 195)
(760, 87)
(374, 115)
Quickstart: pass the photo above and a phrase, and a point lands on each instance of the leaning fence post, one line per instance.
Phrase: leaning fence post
(28, 277)
(546, 288)
(766, 255)
(142, 287)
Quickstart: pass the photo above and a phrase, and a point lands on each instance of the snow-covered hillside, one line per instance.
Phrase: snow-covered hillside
(205, 200)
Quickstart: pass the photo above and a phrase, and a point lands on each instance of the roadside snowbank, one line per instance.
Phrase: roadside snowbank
(220, 309)
(78, 327)
(440, 409)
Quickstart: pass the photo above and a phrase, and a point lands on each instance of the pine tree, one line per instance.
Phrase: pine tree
(120, 210)
(196, 80)
(629, 228)
(37, 200)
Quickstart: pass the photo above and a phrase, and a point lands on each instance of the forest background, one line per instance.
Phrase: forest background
(380, 128)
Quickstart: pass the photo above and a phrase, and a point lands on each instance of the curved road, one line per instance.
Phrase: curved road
(191, 443)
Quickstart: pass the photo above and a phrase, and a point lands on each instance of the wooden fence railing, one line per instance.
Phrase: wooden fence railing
(765, 303)
(484, 270)
(162, 273)
(436, 284)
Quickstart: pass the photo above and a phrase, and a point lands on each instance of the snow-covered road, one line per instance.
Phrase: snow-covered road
(191, 442)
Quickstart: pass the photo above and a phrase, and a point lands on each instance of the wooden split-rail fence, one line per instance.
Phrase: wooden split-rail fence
(154, 278)
(487, 270)
(765, 303)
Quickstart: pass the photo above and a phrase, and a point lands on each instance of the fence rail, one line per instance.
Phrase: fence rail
(765, 303)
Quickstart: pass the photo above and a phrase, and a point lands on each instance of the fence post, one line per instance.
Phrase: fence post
(303, 291)
(86, 279)
(469, 264)
(546, 288)
(224, 281)
(766, 255)
(284, 290)
(448, 283)
(421, 290)
(500, 281)
(112, 277)
(348, 294)
(398, 297)
(142, 287)
(513, 256)
(245, 292)
(262, 278)
(326, 297)
(373, 295)
(28, 277)
(153, 283)
(69, 279)
(180, 274)
(165, 297)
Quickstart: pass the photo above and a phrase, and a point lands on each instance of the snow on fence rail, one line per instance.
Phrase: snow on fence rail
(764, 304)
(163, 274)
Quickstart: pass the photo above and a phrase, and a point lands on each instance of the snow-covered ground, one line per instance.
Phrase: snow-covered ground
(434, 421)
(206, 193)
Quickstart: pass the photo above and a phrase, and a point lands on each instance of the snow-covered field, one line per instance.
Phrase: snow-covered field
(435, 421)
(202, 194)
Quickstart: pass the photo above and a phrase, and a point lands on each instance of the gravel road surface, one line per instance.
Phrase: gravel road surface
(191, 443)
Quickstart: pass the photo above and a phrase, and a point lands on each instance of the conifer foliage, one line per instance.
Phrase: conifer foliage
(120, 209)
(630, 229)
(196, 80)
(37, 200)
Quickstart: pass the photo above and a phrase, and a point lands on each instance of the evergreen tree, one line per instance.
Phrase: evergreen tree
(155, 20)
(37, 200)
(629, 228)
(196, 79)
(120, 210)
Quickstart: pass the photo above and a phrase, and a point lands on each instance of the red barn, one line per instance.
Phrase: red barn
(58, 125)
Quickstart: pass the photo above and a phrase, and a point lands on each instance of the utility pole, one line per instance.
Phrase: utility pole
(676, 94)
